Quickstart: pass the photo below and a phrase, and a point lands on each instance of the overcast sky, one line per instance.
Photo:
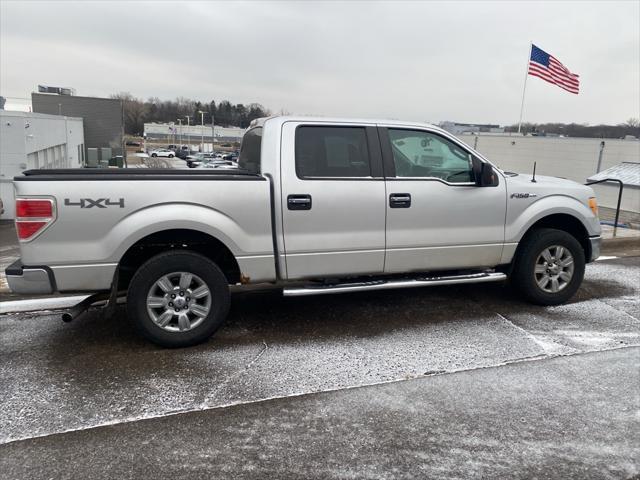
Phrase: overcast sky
(423, 61)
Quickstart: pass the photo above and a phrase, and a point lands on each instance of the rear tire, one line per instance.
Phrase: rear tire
(154, 155)
(549, 267)
(171, 156)
(178, 299)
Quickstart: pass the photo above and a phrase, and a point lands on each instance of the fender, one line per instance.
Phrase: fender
(516, 228)
(168, 216)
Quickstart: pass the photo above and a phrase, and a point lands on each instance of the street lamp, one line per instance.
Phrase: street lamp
(213, 134)
(201, 131)
(180, 134)
(188, 133)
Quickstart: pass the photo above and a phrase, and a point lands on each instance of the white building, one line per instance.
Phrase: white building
(36, 140)
(573, 158)
(462, 128)
(192, 134)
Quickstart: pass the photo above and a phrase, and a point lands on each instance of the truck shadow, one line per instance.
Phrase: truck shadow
(366, 314)
(267, 315)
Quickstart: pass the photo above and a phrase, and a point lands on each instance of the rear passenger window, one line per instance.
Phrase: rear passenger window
(249, 158)
(332, 152)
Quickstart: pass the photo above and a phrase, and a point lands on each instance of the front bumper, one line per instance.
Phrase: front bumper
(32, 280)
(595, 247)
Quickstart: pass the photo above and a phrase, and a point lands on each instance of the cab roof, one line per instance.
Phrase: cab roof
(343, 120)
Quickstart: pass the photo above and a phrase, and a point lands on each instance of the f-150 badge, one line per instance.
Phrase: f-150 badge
(523, 195)
(90, 203)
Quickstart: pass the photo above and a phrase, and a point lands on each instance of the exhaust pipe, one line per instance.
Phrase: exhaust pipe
(77, 310)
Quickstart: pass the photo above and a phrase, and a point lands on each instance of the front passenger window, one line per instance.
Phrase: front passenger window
(423, 154)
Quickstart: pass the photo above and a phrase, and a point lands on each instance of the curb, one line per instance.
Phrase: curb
(620, 242)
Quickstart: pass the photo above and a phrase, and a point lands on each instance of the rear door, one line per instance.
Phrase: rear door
(333, 200)
(437, 217)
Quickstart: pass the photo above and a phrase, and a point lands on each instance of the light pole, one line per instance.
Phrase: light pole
(201, 130)
(213, 134)
(188, 133)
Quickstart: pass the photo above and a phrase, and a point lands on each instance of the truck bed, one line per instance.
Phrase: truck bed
(105, 212)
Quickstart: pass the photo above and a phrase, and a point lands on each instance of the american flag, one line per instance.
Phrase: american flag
(548, 68)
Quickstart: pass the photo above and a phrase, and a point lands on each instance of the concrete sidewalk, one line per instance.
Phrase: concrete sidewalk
(567, 417)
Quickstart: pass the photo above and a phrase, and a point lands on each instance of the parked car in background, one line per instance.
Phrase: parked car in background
(163, 152)
(183, 152)
(197, 158)
(130, 143)
(219, 164)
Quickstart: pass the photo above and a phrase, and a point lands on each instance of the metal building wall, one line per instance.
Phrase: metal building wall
(103, 117)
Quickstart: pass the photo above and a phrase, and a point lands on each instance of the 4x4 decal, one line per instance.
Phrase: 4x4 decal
(90, 203)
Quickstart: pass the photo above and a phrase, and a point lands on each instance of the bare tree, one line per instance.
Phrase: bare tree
(632, 122)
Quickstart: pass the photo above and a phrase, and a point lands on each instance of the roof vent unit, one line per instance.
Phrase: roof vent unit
(56, 90)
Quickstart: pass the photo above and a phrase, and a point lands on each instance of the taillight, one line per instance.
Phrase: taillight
(26, 208)
(33, 215)
(28, 229)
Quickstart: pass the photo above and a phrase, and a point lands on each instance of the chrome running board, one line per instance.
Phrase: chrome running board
(382, 284)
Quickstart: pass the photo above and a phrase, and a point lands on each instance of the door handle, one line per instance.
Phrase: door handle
(400, 200)
(299, 202)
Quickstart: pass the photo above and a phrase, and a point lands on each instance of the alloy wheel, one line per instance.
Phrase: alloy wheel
(554, 269)
(179, 301)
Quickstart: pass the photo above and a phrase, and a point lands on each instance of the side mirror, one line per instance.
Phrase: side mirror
(484, 174)
(487, 176)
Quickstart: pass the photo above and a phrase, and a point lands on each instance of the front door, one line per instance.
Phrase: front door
(333, 201)
(437, 218)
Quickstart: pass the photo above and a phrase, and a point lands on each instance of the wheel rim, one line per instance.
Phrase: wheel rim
(179, 301)
(554, 269)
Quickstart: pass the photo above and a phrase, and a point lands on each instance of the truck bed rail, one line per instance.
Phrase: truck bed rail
(85, 174)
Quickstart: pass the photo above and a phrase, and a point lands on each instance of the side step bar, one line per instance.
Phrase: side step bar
(387, 284)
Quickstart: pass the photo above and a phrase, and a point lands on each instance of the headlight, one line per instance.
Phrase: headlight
(593, 205)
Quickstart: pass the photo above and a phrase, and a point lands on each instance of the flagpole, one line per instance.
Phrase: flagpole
(526, 74)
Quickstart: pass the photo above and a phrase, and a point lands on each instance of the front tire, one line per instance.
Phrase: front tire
(154, 155)
(549, 267)
(178, 299)
(171, 156)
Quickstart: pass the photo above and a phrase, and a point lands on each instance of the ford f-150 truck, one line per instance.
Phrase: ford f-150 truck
(316, 206)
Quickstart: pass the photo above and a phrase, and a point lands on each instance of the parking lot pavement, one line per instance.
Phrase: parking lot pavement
(60, 377)
(565, 417)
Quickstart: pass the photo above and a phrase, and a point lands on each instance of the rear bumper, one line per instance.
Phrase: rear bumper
(32, 280)
(595, 247)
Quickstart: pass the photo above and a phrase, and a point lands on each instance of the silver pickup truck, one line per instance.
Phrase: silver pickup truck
(317, 206)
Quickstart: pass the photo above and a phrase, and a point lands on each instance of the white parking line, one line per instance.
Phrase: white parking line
(605, 257)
